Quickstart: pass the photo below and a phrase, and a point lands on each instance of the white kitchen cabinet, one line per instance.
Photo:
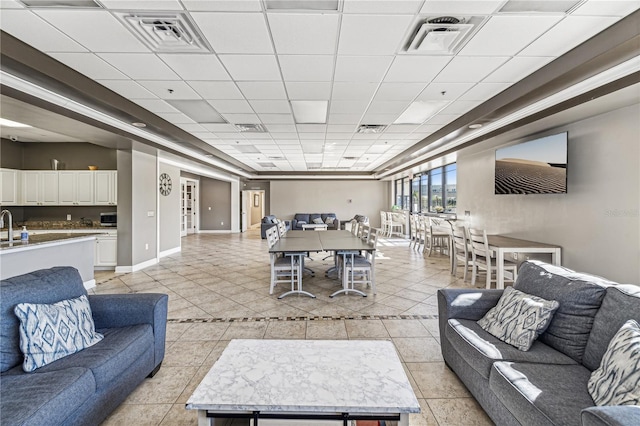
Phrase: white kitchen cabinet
(106, 187)
(39, 188)
(106, 252)
(75, 188)
(10, 187)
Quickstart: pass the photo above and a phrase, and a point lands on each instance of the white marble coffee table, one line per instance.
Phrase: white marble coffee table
(315, 226)
(306, 378)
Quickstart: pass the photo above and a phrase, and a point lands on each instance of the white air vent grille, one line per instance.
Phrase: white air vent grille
(251, 128)
(441, 35)
(169, 33)
(266, 164)
(371, 128)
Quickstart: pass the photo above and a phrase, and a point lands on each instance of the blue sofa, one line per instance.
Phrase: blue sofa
(307, 218)
(546, 385)
(83, 388)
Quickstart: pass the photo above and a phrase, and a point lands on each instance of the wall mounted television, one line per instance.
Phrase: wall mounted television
(538, 166)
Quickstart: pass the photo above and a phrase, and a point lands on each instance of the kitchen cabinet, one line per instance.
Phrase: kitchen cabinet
(106, 187)
(106, 250)
(39, 188)
(75, 188)
(10, 187)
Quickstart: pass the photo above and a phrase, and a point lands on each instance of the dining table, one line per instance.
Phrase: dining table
(502, 244)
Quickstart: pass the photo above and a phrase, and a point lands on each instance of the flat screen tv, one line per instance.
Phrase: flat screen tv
(538, 166)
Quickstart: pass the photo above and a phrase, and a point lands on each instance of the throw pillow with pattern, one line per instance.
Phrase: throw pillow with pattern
(519, 318)
(329, 220)
(318, 221)
(617, 380)
(52, 331)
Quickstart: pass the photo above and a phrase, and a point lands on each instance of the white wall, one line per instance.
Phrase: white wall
(329, 196)
(597, 222)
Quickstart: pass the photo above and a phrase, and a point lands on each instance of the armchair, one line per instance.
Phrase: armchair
(269, 222)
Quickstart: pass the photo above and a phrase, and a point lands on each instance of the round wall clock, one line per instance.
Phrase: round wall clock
(165, 184)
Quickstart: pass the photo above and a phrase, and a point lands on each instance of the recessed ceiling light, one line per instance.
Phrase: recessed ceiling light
(9, 123)
(198, 110)
(247, 149)
(475, 126)
(138, 124)
(310, 112)
(418, 112)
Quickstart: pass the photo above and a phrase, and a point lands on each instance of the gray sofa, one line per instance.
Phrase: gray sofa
(546, 385)
(300, 219)
(83, 388)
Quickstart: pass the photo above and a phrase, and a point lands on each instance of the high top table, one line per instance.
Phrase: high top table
(337, 380)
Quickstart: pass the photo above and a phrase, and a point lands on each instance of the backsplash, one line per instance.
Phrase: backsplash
(58, 224)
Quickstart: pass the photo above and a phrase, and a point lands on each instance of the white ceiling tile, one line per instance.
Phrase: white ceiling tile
(20, 24)
(140, 66)
(461, 107)
(517, 68)
(175, 117)
(400, 128)
(398, 91)
(276, 118)
(309, 90)
(90, 65)
(235, 32)
(241, 118)
(340, 128)
(375, 118)
(442, 119)
(607, 8)
(155, 105)
(387, 107)
(419, 69)
(252, 67)
(307, 136)
(353, 91)
(223, 5)
(341, 136)
(433, 92)
(382, 6)
(129, 89)
(283, 136)
(262, 89)
(311, 128)
(282, 128)
(306, 67)
(142, 4)
(361, 68)
(570, 32)
(88, 27)
(196, 67)
(230, 106)
(304, 33)
(372, 34)
(216, 89)
(271, 106)
(484, 91)
(348, 107)
(344, 118)
(170, 89)
(11, 4)
(469, 69)
(461, 7)
(507, 35)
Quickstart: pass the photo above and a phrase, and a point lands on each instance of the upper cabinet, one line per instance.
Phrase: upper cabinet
(39, 188)
(10, 188)
(106, 187)
(75, 188)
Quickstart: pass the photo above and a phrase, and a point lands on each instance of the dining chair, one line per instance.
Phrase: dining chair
(361, 269)
(460, 251)
(354, 228)
(481, 258)
(284, 268)
(384, 226)
(394, 222)
(436, 235)
(413, 231)
(282, 229)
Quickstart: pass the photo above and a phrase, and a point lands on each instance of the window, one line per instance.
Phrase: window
(424, 193)
(450, 188)
(415, 194)
(435, 176)
(406, 194)
(433, 191)
(398, 193)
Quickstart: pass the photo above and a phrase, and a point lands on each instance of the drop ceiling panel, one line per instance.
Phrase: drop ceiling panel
(262, 90)
(353, 91)
(170, 89)
(398, 91)
(444, 91)
(463, 69)
(128, 88)
(385, 7)
(406, 69)
(304, 33)
(308, 90)
(389, 107)
(175, 117)
(196, 67)
(276, 118)
(252, 67)
(461, 7)
(517, 68)
(231, 106)
(348, 107)
(283, 128)
(223, 5)
(97, 30)
(507, 35)
(142, 4)
(241, 118)
(90, 65)
(235, 32)
(460, 107)
(306, 67)
(216, 90)
(140, 66)
(10, 4)
(484, 91)
(568, 33)
(361, 68)
(20, 23)
(155, 105)
(344, 119)
(372, 34)
(271, 106)
(608, 8)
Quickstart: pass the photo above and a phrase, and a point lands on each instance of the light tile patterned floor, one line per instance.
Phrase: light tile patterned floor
(218, 288)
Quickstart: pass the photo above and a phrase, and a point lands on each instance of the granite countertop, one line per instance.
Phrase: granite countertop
(312, 376)
(42, 239)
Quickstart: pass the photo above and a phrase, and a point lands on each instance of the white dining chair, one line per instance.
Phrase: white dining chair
(461, 255)
(284, 269)
(436, 236)
(358, 269)
(482, 260)
(384, 224)
(395, 222)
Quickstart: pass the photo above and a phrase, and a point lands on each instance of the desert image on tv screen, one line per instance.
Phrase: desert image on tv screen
(535, 167)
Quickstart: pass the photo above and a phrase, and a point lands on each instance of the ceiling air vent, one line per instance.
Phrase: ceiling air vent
(441, 35)
(314, 166)
(166, 32)
(251, 128)
(371, 128)
(350, 158)
(266, 164)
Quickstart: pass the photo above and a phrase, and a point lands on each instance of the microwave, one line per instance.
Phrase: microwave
(109, 219)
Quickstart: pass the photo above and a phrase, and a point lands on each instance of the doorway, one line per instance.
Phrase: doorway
(188, 206)
(252, 209)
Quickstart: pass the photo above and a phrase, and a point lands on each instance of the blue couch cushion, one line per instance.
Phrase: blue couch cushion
(480, 349)
(621, 304)
(44, 286)
(44, 398)
(579, 295)
(542, 394)
(302, 217)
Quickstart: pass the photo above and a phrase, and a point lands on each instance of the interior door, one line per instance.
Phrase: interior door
(183, 208)
(245, 210)
(188, 207)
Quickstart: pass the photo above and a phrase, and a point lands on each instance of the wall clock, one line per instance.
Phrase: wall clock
(165, 184)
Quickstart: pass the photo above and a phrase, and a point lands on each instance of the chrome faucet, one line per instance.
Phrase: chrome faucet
(2, 213)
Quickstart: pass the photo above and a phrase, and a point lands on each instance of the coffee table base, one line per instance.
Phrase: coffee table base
(257, 418)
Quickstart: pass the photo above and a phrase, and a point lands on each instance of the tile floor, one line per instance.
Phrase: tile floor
(218, 288)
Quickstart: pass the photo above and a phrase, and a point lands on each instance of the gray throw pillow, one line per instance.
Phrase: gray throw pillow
(318, 221)
(518, 318)
(329, 220)
(617, 381)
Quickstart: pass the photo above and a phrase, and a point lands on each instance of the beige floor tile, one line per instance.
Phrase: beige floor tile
(286, 330)
(204, 331)
(425, 418)
(181, 353)
(326, 330)
(138, 414)
(405, 328)
(418, 349)
(178, 415)
(175, 330)
(436, 380)
(245, 330)
(458, 412)
(361, 329)
(163, 388)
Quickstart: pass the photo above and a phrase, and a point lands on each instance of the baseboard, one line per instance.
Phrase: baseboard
(137, 267)
(89, 284)
(221, 231)
(169, 252)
